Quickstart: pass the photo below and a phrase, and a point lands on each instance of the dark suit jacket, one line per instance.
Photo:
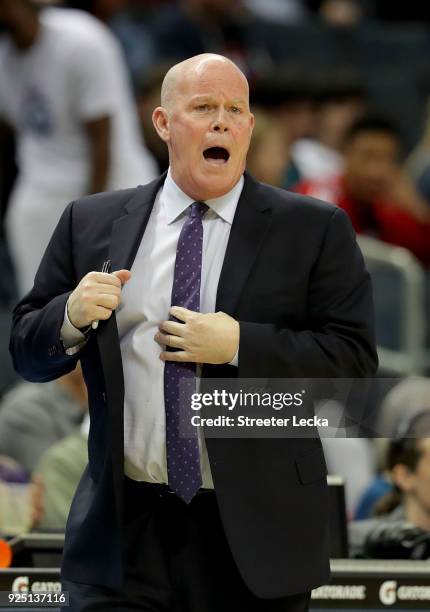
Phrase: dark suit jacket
(295, 279)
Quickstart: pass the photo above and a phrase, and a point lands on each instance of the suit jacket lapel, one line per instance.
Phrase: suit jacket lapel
(250, 225)
(126, 235)
(127, 231)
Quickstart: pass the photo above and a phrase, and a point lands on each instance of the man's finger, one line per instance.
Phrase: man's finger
(177, 356)
(109, 289)
(108, 301)
(104, 277)
(183, 314)
(101, 313)
(167, 340)
(171, 327)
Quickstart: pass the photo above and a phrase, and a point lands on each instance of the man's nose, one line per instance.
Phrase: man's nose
(220, 127)
(220, 123)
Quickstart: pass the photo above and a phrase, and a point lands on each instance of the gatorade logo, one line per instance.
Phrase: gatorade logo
(20, 584)
(388, 592)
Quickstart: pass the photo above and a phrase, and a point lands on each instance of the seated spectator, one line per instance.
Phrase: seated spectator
(11, 471)
(374, 190)
(17, 512)
(340, 101)
(402, 529)
(34, 416)
(418, 162)
(406, 399)
(268, 155)
(289, 97)
(56, 477)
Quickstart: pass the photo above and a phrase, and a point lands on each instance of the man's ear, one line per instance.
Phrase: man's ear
(160, 120)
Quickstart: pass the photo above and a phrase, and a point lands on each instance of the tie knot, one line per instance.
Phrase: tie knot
(198, 209)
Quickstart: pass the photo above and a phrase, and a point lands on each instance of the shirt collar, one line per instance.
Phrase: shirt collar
(175, 201)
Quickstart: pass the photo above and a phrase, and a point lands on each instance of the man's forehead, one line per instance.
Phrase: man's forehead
(211, 78)
(218, 70)
(203, 73)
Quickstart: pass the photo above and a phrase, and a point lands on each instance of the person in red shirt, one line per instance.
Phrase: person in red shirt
(373, 189)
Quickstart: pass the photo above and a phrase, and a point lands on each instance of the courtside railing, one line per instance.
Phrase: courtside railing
(399, 289)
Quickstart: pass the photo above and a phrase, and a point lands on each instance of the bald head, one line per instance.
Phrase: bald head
(192, 69)
(206, 123)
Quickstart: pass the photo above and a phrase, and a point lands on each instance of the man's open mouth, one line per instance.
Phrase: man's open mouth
(216, 155)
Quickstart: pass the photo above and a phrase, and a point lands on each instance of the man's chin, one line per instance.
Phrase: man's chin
(216, 185)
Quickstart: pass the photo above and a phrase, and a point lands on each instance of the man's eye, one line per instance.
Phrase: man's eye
(236, 110)
(202, 107)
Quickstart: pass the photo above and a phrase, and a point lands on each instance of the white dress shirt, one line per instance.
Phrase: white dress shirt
(145, 303)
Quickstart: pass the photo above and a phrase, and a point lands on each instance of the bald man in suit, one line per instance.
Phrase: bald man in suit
(209, 267)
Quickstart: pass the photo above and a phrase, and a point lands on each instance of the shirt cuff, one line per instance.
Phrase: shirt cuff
(235, 360)
(71, 337)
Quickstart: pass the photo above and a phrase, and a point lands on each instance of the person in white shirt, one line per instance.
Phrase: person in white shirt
(65, 91)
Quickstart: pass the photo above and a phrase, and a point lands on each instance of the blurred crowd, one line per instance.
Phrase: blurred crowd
(340, 92)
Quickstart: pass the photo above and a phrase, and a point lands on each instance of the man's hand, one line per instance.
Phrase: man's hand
(201, 338)
(96, 297)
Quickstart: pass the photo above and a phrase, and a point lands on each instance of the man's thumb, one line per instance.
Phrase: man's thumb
(123, 275)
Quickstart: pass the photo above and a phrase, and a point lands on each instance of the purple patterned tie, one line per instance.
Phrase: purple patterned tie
(183, 457)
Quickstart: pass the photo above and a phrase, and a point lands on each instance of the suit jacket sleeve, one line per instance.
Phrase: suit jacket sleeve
(35, 345)
(338, 341)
